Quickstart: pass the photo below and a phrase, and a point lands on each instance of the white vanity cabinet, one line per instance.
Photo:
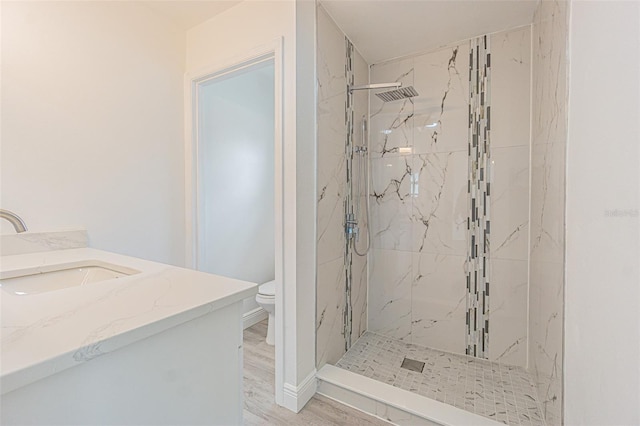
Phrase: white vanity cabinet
(159, 347)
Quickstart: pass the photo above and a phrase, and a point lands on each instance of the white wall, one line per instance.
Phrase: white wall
(217, 43)
(602, 334)
(92, 127)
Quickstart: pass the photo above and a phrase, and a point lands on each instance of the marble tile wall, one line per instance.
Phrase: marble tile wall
(334, 263)
(417, 269)
(549, 137)
(510, 146)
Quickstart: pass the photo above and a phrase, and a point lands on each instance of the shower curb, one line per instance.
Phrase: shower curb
(392, 404)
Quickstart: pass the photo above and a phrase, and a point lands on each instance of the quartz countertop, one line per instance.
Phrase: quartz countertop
(45, 333)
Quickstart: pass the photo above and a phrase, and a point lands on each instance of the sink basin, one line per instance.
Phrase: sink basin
(24, 282)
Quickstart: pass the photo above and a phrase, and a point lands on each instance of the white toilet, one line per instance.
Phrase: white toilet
(266, 298)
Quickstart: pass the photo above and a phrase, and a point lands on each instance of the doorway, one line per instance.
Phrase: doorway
(235, 163)
(234, 175)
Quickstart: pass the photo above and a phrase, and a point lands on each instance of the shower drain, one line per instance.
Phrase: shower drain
(412, 364)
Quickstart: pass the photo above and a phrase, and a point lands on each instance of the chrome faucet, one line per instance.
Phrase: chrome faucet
(18, 224)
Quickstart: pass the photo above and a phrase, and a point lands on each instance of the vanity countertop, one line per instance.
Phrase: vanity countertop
(48, 332)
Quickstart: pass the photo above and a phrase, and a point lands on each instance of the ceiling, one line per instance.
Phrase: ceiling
(387, 29)
(187, 14)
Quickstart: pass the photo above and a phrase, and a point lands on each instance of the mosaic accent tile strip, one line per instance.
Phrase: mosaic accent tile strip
(479, 191)
(348, 199)
(503, 393)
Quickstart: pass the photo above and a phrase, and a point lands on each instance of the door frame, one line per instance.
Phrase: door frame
(218, 68)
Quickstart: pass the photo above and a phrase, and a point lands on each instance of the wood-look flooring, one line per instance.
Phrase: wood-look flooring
(259, 382)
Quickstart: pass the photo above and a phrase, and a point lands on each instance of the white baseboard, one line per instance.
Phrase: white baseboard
(296, 397)
(253, 317)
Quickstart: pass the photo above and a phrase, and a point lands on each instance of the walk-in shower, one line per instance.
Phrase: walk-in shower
(430, 230)
(441, 195)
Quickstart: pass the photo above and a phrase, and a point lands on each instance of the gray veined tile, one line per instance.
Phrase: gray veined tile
(549, 74)
(510, 85)
(391, 132)
(329, 324)
(359, 296)
(441, 111)
(439, 302)
(331, 54)
(508, 311)
(439, 194)
(510, 203)
(547, 203)
(330, 219)
(391, 203)
(390, 293)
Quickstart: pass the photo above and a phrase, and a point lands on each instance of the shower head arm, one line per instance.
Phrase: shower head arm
(375, 86)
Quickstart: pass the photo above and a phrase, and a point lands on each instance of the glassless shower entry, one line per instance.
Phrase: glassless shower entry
(235, 124)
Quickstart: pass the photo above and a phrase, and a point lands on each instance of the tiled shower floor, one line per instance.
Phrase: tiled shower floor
(500, 392)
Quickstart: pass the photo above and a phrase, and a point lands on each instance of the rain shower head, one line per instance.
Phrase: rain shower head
(376, 86)
(398, 94)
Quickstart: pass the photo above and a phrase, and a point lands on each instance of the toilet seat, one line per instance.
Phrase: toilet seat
(267, 289)
(265, 300)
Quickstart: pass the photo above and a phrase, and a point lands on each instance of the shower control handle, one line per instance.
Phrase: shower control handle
(351, 226)
(360, 150)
